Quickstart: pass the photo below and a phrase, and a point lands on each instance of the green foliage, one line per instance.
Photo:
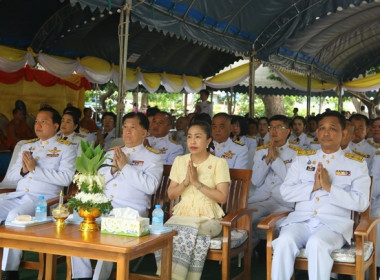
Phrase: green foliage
(104, 208)
(167, 101)
(90, 160)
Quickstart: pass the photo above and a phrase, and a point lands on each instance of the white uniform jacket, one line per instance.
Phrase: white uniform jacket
(303, 141)
(235, 152)
(268, 177)
(350, 185)
(55, 167)
(137, 181)
(75, 139)
(167, 147)
(364, 149)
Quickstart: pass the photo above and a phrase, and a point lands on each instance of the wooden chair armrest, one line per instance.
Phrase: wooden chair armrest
(230, 218)
(269, 221)
(365, 226)
(6, 190)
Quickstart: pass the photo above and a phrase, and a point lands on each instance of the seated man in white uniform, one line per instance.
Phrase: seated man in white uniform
(43, 167)
(131, 184)
(235, 152)
(160, 139)
(270, 166)
(325, 185)
(359, 145)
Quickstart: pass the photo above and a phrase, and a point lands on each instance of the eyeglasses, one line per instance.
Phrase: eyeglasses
(276, 127)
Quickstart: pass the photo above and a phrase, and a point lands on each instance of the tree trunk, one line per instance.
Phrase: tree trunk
(103, 97)
(274, 105)
(144, 100)
(135, 98)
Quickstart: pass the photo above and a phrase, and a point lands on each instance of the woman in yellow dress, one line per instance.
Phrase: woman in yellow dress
(201, 180)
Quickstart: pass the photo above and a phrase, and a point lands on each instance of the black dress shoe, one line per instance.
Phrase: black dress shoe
(9, 275)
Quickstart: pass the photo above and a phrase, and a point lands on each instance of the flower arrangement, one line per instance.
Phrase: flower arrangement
(90, 183)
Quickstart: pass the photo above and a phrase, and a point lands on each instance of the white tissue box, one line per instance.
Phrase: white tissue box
(124, 226)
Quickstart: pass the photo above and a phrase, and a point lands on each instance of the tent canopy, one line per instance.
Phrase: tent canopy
(335, 40)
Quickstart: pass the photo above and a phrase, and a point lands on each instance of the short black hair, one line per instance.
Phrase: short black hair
(56, 117)
(298, 118)
(205, 126)
(242, 124)
(263, 118)
(281, 118)
(204, 117)
(143, 120)
(111, 114)
(339, 116)
(151, 111)
(205, 91)
(359, 117)
(75, 110)
(222, 115)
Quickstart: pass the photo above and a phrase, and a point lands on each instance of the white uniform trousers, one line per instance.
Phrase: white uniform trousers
(375, 212)
(10, 209)
(81, 268)
(264, 208)
(319, 241)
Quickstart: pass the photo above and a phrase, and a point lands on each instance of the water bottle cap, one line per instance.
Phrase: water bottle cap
(41, 197)
(158, 206)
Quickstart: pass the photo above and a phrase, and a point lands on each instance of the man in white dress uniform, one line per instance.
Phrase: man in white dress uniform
(325, 186)
(131, 185)
(43, 167)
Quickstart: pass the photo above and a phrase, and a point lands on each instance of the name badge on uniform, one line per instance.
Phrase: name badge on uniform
(137, 162)
(228, 155)
(288, 161)
(310, 168)
(343, 173)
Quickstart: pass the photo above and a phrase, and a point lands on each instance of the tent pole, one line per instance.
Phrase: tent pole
(340, 96)
(252, 84)
(185, 105)
(308, 100)
(123, 44)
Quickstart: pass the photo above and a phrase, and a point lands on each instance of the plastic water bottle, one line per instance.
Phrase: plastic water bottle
(157, 217)
(41, 209)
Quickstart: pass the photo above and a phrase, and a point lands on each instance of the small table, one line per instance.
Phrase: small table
(69, 241)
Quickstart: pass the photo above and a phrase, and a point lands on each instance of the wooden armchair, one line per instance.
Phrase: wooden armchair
(364, 236)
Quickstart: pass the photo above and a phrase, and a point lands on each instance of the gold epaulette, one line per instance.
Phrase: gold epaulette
(360, 153)
(373, 144)
(152, 150)
(306, 152)
(354, 157)
(378, 153)
(310, 135)
(113, 148)
(251, 136)
(65, 142)
(31, 140)
(80, 135)
(173, 141)
(238, 142)
(293, 142)
(296, 148)
(263, 147)
(85, 130)
(314, 142)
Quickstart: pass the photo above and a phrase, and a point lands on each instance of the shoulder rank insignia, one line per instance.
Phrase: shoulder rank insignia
(65, 142)
(85, 130)
(310, 135)
(80, 135)
(377, 152)
(314, 142)
(31, 140)
(296, 148)
(173, 141)
(306, 152)
(293, 142)
(152, 150)
(238, 142)
(360, 153)
(113, 148)
(251, 136)
(376, 145)
(263, 147)
(354, 157)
